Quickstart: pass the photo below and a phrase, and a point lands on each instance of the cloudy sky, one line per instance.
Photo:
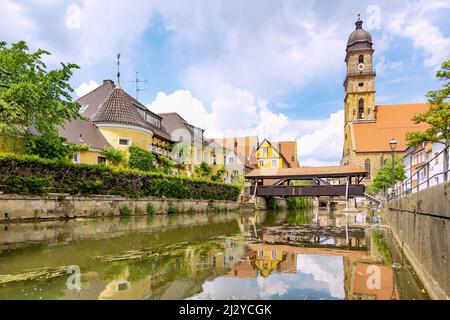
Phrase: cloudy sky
(268, 67)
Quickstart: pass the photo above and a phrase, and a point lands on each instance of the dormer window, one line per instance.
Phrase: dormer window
(83, 108)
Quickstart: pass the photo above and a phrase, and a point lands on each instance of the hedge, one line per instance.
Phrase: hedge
(26, 174)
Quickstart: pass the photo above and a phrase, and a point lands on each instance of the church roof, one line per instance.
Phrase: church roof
(392, 121)
(359, 39)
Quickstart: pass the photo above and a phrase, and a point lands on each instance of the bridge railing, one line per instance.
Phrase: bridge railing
(308, 191)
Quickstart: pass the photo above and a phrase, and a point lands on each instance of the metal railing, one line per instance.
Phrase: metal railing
(406, 187)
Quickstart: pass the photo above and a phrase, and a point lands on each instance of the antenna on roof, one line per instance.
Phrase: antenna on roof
(118, 69)
(137, 82)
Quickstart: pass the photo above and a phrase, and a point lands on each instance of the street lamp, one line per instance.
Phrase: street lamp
(393, 144)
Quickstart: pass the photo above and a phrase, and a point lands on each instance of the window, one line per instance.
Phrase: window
(436, 159)
(101, 160)
(274, 163)
(361, 59)
(361, 109)
(84, 108)
(265, 152)
(214, 159)
(231, 160)
(361, 84)
(235, 144)
(367, 167)
(124, 141)
(261, 163)
(224, 160)
(261, 254)
(76, 157)
(274, 255)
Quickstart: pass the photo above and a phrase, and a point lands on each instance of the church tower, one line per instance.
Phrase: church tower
(359, 83)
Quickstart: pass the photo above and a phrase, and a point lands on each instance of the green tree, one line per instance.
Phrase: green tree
(30, 94)
(48, 146)
(115, 157)
(383, 179)
(218, 176)
(141, 159)
(204, 170)
(437, 116)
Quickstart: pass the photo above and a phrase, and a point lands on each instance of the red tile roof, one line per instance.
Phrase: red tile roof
(392, 121)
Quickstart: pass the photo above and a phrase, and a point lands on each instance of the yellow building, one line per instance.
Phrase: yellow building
(277, 155)
(369, 127)
(116, 120)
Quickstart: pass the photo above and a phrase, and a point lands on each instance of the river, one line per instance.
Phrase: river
(202, 256)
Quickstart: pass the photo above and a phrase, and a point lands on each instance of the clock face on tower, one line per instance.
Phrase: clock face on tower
(361, 66)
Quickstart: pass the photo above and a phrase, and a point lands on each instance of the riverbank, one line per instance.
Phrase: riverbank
(14, 208)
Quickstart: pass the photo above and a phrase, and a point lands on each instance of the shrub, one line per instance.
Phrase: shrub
(47, 146)
(173, 209)
(141, 159)
(150, 209)
(272, 203)
(124, 211)
(296, 203)
(31, 185)
(115, 157)
(59, 176)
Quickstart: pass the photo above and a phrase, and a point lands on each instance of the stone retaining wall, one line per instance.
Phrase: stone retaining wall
(57, 206)
(421, 223)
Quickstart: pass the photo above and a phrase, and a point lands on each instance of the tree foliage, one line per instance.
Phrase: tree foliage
(166, 164)
(218, 176)
(115, 157)
(203, 170)
(32, 95)
(383, 179)
(141, 159)
(437, 116)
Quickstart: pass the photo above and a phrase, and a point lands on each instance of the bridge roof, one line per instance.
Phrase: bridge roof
(308, 172)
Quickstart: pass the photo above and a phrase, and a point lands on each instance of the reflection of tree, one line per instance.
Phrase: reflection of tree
(300, 217)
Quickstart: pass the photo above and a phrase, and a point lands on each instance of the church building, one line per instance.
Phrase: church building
(369, 127)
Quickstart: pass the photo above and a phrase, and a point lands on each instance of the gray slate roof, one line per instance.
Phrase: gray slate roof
(83, 132)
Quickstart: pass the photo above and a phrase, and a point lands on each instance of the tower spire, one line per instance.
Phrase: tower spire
(359, 22)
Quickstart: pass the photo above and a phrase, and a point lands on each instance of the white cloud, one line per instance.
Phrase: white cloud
(85, 88)
(235, 112)
(14, 20)
(73, 17)
(325, 143)
(326, 269)
(415, 22)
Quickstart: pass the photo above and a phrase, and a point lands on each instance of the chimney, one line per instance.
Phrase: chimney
(108, 81)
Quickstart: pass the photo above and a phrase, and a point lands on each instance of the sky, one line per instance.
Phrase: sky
(272, 68)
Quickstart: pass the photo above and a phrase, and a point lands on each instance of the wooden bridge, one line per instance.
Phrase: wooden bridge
(323, 181)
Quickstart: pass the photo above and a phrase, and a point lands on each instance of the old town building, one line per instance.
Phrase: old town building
(370, 127)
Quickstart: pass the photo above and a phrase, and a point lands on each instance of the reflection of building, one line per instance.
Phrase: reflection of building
(373, 282)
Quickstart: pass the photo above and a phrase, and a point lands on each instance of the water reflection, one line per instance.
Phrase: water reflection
(191, 257)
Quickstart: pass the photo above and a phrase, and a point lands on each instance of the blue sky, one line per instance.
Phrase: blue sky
(266, 67)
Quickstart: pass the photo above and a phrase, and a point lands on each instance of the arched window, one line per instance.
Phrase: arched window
(367, 167)
(361, 59)
(361, 109)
